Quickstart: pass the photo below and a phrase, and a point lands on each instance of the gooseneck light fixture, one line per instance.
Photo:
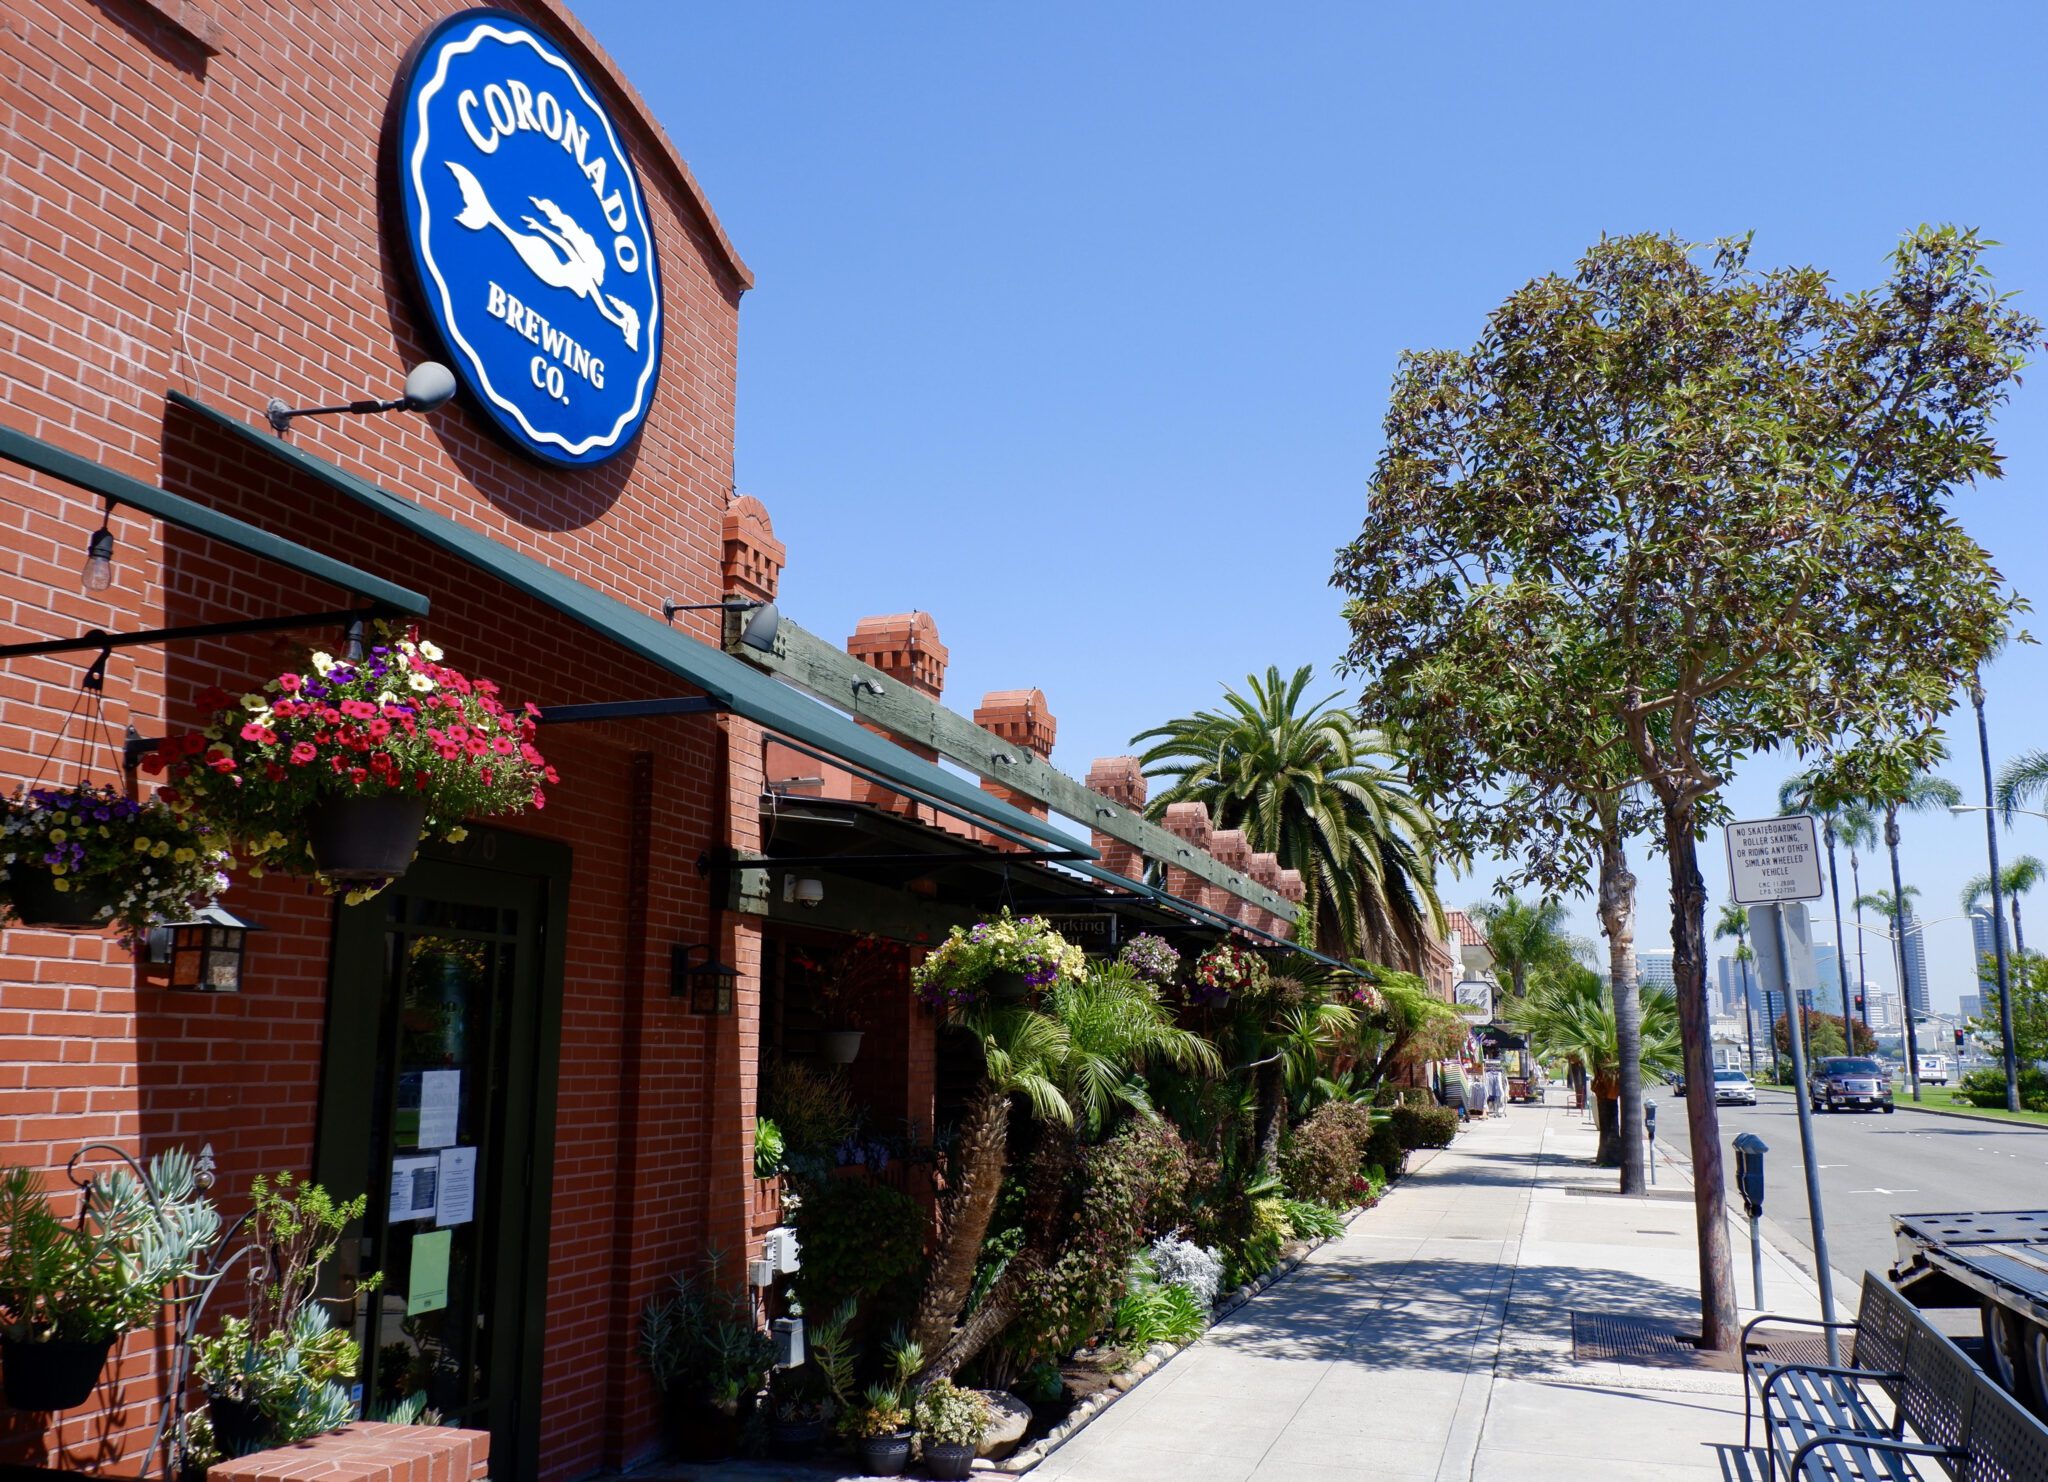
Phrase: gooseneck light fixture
(428, 385)
(760, 630)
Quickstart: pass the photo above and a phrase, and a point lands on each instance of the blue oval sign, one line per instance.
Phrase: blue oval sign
(524, 219)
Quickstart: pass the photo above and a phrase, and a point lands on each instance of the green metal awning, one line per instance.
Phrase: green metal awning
(173, 509)
(1204, 915)
(736, 686)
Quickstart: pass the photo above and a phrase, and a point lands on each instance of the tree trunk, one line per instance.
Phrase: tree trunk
(1891, 843)
(1607, 1115)
(1841, 954)
(1618, 921)
(1688, 958)
(1271, 1113)
(2019, 935)
(1862, 974)
(977, 1178)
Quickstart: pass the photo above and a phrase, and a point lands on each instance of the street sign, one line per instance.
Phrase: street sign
(1773, 859)
(1796, 960)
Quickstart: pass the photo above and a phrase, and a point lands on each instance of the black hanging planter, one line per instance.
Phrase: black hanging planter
(371, 838)
(885, 1456)
(239, 1426)
(953, 1460)
(58, 1374)
(37, 902)
(1004, 987)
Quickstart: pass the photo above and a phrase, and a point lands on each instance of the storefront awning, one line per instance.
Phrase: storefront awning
(173, 509)
(735, 686)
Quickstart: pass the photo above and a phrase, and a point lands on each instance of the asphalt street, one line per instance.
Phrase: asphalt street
(1872, 1166)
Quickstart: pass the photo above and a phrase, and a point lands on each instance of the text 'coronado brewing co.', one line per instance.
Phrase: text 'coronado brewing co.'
(526, 228)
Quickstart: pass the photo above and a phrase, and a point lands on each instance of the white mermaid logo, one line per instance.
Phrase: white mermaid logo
(558, 251)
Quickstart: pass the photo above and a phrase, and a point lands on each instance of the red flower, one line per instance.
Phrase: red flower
(192, 743)
(222, 764)
(358, 775)
(261, 734)
(273, 771)
(304, 752)
(540, 799)
(335, 763)
(379, 729)
(153, 763)
(551, 775)
(503, 746)
(213, 697)
(170, 794)
(475, 746)
(487, 776)
(289, 683)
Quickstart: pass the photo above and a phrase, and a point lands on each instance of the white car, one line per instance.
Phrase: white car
(1732, 1088)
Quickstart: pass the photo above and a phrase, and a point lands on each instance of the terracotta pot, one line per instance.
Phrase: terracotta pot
(885, 1456)
(839, 1046)
(38, 902)
(57, 1374)
(366, 838)
(948, 1459)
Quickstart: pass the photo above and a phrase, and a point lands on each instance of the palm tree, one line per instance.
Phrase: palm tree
(1734, 922)
(2014, 881)
(1569, 1014)
(1806, 792)
(1327, 795)
(1856, 826)
(1079, 1066)
(1919, 793)
(1523, 935)
(2021, 781)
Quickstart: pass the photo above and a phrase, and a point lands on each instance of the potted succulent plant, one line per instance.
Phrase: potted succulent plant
(1007, 959)
(279, 1373)
(339, 770)
(69, 1291)
(89, 856)
(708, 1359)
(878, 1423)
(950, 1423)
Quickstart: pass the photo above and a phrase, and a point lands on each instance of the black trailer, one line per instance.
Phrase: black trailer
(1996, 1263)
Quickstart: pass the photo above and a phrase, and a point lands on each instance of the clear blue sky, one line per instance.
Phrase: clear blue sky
(1074, 323)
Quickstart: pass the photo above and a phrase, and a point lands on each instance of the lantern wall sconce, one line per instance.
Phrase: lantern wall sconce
(709, 984)
(204, 954)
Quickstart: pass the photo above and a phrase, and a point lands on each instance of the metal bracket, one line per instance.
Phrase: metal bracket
(95, 638)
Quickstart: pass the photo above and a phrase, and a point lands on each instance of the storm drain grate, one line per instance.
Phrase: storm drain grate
(1649, 1342)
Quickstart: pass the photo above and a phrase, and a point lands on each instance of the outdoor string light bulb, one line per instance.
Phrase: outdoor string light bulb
(97, 574)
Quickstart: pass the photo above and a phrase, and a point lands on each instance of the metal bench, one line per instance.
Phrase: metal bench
(1821, 1421)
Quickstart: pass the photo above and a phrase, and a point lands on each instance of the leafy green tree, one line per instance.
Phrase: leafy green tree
(1734, 922)
(1523, 935)
(2021, 781)
(1690, 511)
(1327, 795)
(2029, 1014)
(1823, 1036)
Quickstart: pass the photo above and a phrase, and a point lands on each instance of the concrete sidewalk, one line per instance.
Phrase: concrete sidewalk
(1434, 1340)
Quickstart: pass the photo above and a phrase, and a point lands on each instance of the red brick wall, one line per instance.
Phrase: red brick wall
(172, 216)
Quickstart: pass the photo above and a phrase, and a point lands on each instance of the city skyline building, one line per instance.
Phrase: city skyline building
(1654, 970)
(1983, 946)
(1915, 987)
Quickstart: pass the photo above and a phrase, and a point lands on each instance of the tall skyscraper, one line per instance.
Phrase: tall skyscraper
(1725, 982)
(1971, 1005)
(1983, 949)
(1916, 967)
(1827, 978)
(1653, 970)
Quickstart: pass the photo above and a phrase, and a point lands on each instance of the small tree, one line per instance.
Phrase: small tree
(1823, 1036)
(1685, 511)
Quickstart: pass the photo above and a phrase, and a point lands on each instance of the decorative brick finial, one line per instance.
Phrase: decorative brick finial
(1021, 718)
(1265, 869)
(1121, 780)
(753, 556)
(1233, 851)
(905, 646)
(1188, 822)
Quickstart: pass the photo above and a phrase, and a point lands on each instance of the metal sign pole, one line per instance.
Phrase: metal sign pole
(1823, 1272)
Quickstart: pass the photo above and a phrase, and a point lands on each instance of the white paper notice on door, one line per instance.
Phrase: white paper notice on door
(440, 1101)
(414, 1182)
(458, 1187)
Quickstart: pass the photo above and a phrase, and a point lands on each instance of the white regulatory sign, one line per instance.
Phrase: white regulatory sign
(1774, 859)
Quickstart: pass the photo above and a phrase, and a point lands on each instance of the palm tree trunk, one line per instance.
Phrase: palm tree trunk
(977, 1178)
(1617, 920)
(1607, 1117)
(1862, 978)
(1271, 1117)
(2019, 935)
(1688, 958)
(1891, 842)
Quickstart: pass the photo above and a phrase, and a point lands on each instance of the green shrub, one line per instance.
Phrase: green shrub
(1320, 1159)
(1418, 1096)
(1385, 1151)
(1986, 1088)
(767, 1148)
(812, 1109)
(861, 1241)
(1313, 1221)
(1385, 1094)
(1149, 1314)
(1424, 1126)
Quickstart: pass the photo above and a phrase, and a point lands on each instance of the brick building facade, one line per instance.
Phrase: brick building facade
(194, 219)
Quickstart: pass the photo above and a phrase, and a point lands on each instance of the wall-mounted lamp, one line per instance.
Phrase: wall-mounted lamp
(707, 984)
(760, 630)
(205, 953)
(803, 891)
(866, 687)
(428, 385)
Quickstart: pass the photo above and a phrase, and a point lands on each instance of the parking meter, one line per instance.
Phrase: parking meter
(1749, 1181)
(1749, 1171)
(1650, 1140)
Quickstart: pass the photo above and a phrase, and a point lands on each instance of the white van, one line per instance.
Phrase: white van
(1933, 1070)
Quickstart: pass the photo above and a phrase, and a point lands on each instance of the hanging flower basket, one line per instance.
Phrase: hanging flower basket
(87, 857)
(1151, 957)
(339, 770)
(56, 1374)
(365, 838)
(839, 1046)
(1223, 972)
(1006, 960)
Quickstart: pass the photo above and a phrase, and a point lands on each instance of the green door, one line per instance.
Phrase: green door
(438, 1101)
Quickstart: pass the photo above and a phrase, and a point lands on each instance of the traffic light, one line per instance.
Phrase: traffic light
(1859, 1003)
(1959, 1037)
